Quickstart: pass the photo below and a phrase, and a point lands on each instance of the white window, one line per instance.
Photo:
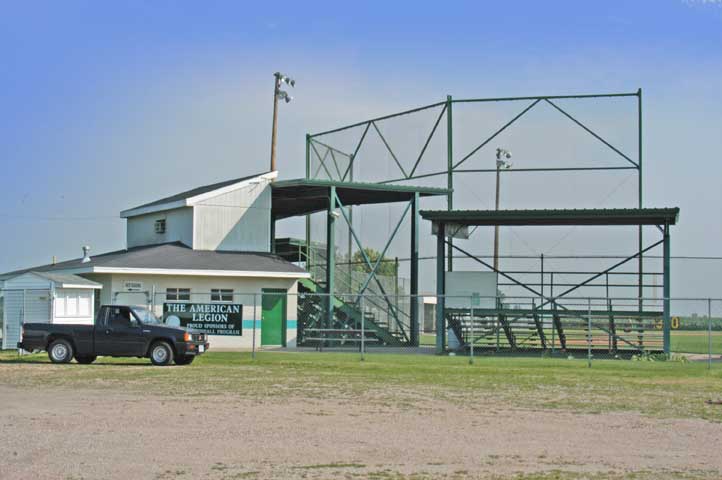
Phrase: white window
(84, 305)
(221, 295)
(73, 304)
(60, 306)
(178, 294)
(160, 226)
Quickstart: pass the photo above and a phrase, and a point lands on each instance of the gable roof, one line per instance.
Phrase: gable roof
(184, 199)
(177, 259)
(61, 280)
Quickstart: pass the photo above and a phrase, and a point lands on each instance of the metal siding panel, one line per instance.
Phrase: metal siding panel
(179, 228)
(37, 306)
(238, 220)
(12, 318)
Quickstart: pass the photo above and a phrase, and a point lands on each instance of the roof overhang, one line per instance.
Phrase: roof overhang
(190, 201)
(614, 216)
(188, 272)
(303, 196)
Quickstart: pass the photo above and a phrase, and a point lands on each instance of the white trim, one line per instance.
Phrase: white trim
(200, 273)
(190, 201)
(229, 188)
(82, 287)
(134, 212)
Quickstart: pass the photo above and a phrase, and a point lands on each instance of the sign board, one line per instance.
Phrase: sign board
(470, 289)
(209, 318)
(453, 230)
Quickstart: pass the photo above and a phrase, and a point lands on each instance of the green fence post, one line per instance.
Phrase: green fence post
(253, 346)
(471, 338)
(363, 331)
(589, 332)
(709, 334)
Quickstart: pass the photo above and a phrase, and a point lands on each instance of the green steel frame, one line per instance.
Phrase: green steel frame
(446, 109)
(327, 196)
(313, 142)
(665, 217)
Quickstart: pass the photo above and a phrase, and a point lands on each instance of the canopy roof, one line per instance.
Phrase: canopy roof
(302, 196)
(612, 216)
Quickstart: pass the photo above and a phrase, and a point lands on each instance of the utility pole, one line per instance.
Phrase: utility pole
(278, 79)
(502, 157)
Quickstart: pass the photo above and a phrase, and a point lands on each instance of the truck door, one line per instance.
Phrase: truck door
(121, 334)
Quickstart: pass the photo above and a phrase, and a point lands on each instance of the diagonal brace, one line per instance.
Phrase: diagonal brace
(589, 130)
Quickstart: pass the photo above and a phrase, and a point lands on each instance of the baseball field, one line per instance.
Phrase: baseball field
(330, 415)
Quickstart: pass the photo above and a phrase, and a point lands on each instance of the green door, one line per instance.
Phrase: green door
(273, 317)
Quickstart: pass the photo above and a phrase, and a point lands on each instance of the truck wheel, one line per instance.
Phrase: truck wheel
(184, 360)
(60, 351)
(85, 360)
(161, 354)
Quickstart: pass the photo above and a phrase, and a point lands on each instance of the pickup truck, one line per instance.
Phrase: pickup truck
(119, 331)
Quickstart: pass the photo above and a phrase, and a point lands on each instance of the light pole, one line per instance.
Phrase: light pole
(279, 79)
(502, 161)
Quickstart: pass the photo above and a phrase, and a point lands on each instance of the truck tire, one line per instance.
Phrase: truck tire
(161, 354)
(85, 360)
(184, 360)
(60, 351)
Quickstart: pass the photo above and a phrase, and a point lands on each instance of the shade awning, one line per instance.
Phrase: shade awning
(303, 196)
(613, 216)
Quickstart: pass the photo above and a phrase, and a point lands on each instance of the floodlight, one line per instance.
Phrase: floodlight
(334, 214)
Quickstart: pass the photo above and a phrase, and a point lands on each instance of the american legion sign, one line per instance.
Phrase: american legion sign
(209, 318)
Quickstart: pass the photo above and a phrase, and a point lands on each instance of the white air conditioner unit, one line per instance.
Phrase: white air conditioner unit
(133, 286)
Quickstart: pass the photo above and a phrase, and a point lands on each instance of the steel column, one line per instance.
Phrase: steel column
(414, 288)
(308, 217)
(449, 171)
(330, 254)
(273, 234)
(639, 188)
(440, 287)
(666, 290)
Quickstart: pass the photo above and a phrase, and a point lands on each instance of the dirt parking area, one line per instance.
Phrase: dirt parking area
(89, 434)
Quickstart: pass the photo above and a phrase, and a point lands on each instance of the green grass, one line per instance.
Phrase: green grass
(662, 389)
(695, 341)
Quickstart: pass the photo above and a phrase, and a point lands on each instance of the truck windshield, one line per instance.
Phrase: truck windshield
(145, 315)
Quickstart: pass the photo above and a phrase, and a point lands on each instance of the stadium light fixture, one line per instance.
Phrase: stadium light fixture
(502, 162)
(279, 79)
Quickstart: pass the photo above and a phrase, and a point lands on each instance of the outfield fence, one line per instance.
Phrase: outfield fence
(582, 328)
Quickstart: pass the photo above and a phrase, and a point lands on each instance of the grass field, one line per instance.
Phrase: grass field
(498, 418)
(666, 389)
(695, 341)
(682, 341)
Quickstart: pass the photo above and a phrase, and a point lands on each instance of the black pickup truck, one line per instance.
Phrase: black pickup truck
(119, 331)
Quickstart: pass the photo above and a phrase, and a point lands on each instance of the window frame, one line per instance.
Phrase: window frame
(223, 295)
(178, 294)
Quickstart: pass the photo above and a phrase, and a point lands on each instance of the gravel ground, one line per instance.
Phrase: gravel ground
(107, 434)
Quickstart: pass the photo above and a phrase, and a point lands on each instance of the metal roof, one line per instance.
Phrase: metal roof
(65, 280)
(611, 216)
(196, 191)
(302, 196)
(174, 256)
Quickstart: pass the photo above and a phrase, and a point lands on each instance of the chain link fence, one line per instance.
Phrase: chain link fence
(579, 328)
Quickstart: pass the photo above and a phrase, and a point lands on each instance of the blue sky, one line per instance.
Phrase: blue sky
(111, 104)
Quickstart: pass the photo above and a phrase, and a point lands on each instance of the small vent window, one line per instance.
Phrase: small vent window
(221, 295)
(178, 294)
(160, 226)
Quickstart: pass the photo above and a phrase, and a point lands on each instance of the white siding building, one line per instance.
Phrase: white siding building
(45, 297)
(210, 247)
